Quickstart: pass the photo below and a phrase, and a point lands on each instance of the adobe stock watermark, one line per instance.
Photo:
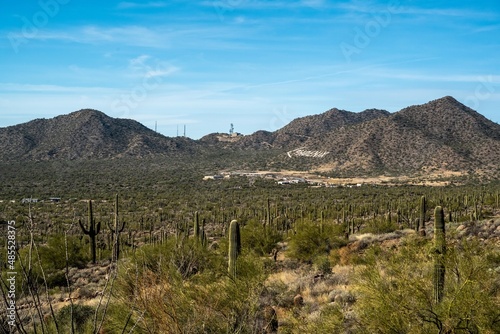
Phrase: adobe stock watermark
(11, 274)
(280, 118)
(151, 80)
(364, 35)
(224, 6)
(483, 91)
(31, 26)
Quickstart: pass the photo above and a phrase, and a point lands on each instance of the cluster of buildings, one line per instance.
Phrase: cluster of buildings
(293, 180)
(36, 200)
(283, 179)
(280, 179)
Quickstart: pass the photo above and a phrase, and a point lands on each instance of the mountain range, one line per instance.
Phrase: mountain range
(86, 134)
(440, 135)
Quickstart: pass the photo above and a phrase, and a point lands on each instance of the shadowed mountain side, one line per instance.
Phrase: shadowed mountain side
(86, 134)
(441, 134)
(316, 126)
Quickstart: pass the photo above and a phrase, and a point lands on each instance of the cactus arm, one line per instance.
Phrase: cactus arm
(84, 230)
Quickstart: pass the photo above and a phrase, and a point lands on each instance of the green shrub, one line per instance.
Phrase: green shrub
(395, 293)
(380, 226)
(322, 264)
(53, 254)
(208, 301)
(56, 279)
(330, 320)
(258, 238)
(82, 316)
(310, 242)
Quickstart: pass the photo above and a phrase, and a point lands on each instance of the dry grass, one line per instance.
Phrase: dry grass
(317, 291)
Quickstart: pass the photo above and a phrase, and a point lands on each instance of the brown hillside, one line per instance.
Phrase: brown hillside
(87, 134)
(439, 135)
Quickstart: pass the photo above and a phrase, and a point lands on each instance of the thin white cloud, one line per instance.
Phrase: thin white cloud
(124, 35)
(138, 62)
(449, 12)
(195, 36)
(147, 67)
(452, 78)
(52, 89)
(162, 72)
(487, 28)
(128, 35)
(401, 7)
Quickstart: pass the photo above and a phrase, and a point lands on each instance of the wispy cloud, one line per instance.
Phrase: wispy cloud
(451, 78)
(193, 36)
(162, 72)
(487, 28)
(148, 67)
(401, 7)
(138, 63)
(449, 12)
(47, 89)
(124, 35)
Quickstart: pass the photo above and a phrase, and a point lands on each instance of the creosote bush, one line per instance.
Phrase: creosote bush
(258, 238)
(81, 315)
(161, 298)
(395, 290)
(53, 255)
(310, 241)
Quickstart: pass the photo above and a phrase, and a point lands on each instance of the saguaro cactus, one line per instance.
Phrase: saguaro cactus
(439, 254)
(322, 217)
(268, 213)
(423, 217)
(234, 247)
(92, 232)
(199, 230)
(115, 231)
(196, 227)
(203, 235)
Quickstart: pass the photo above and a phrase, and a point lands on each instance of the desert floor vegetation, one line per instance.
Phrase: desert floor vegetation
(305, 260)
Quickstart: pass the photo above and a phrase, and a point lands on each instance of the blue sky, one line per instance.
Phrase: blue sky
(254, 63)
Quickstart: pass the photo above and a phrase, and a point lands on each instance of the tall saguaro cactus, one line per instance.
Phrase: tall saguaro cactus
(268, 213)
(423, 217)
(92, 232)
(199, 230)
(440, 251)
(196, 226)
(234, 247)
(115, 231)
